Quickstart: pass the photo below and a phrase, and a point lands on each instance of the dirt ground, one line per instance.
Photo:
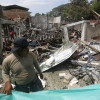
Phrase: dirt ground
(54, 82)
(52, 75)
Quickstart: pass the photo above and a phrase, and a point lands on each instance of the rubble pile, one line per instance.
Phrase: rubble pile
(72, 64)
(45, 44)
(83, 70)
(69, 74)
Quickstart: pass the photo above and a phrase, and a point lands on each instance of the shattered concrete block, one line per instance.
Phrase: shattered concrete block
(1, 85)
(73, 86)
(95, 77)
(66, 81)
(87, 79)
(73, 81)
(68, 77)
(82, 82)
(62, 75)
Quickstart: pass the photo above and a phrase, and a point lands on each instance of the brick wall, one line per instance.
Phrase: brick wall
(15, 13)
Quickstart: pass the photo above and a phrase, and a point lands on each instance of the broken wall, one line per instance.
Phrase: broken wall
(78, 27)
(92, 32)
(42, 22)
(57, 22)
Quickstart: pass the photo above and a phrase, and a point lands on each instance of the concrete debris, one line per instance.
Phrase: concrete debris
(65, 60)
(73, 81)
(87, 79)
(82, 83)
(68, 76)
(1, 85)
(62, 75)
(85, 67)
(66, 81)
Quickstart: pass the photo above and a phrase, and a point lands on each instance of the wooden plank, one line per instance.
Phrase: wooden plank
(95, 13)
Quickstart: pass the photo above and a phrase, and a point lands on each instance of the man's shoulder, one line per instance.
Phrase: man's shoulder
(31, 54)
(9, 57)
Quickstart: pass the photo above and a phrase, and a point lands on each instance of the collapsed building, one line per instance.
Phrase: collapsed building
(3, 22)
(20, 15)
(46, 22)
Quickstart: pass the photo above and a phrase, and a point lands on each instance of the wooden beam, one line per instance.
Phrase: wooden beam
(96, 13)
(3, 21)
(90, 46)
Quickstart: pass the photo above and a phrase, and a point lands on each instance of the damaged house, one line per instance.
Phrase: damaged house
(14, 11)
(19, 14)
(6, 23)
(46, 22)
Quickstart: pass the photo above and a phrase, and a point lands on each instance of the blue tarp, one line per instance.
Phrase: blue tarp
(91, 92)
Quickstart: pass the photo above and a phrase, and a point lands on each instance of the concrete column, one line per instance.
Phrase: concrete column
(84, 31)
(66, 37)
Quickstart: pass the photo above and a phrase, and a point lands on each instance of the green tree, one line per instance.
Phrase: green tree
(43, 14)
(81, 3)
(37, 14)
(96, 6)
(61, 10)
(79, 9)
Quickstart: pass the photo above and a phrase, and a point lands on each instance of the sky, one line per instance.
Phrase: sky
(35, 6)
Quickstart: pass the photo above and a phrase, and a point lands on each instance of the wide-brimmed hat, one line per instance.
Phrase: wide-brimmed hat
(19, 43)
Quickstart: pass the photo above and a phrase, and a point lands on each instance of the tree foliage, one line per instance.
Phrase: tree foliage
(96, 6)
(60, 11)
(37, 14)
(77, 9)
(81, 3)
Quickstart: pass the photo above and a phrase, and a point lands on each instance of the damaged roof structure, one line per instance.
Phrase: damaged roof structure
(14, 7)
(63, 53)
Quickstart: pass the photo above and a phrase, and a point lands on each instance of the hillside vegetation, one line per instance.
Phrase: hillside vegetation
(76, 9)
